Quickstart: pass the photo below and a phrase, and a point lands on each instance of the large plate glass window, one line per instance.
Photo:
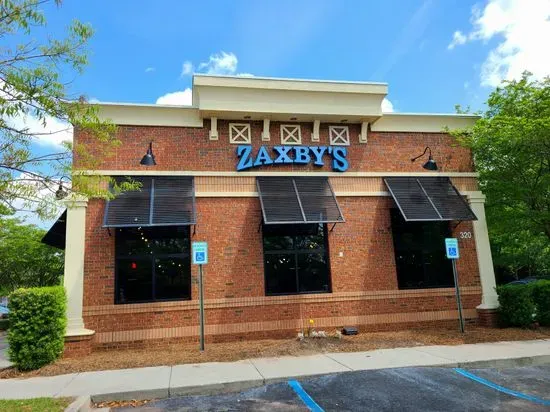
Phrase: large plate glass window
(296, 259)
(420, 253)
(152, 264)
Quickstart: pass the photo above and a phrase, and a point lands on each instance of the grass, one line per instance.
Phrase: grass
(183, 353)
(36, 404)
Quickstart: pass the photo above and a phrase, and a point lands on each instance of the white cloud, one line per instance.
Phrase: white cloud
(522, 28)
(47, 132)
(51, 132)
(39, 193)
(221, 63)
(387, 106)
(187, 68)
(149, 69)
(183, 98)
(458, 39)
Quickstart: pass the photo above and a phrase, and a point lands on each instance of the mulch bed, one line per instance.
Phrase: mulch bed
(232, 351)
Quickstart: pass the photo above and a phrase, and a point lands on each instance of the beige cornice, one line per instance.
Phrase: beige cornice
(422, 123)
(150, 115)
(276, 83)
(265, 99)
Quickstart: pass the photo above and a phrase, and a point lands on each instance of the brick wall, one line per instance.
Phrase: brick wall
(178, 148)
(363, 274)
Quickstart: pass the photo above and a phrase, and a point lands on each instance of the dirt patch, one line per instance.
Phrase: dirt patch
(232, 351)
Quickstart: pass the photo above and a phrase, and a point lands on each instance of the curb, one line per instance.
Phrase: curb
(237, 386)
(140, 395)
(507, 363)
(80, 404)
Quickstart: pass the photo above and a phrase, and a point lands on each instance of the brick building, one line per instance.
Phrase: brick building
(311, 206)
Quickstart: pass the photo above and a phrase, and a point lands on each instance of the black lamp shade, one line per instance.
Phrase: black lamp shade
(60, 193)
(149, 158)
(430, 164)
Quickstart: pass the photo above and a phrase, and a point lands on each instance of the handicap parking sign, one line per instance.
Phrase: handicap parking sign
(200, 253)
(451, 247)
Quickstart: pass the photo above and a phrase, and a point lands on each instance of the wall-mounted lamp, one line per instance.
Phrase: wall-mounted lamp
(430, 164)
(61, 192)
(149, 158)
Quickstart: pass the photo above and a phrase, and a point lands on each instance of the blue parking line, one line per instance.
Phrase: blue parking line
(501, 388)
(304, 396)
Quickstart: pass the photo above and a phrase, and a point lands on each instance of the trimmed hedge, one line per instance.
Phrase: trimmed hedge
(522, 305)
(541, 298)
(37, 326)
(516, 305)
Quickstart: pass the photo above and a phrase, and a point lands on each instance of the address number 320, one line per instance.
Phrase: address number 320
(465, 235)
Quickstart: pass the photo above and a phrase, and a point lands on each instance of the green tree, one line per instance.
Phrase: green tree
(36, 72)
(511, 148)
(26, 262)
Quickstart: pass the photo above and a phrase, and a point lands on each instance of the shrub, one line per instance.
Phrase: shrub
(516, 305)
(541, 298)
(37, 326)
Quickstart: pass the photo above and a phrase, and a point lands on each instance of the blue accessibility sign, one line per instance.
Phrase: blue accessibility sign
(451, 247)
(200, 253)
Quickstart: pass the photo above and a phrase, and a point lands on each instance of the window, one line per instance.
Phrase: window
(291, 134)
(239, 133)
(296, 259)
(338, 135)
(152, 264)
(420, 253)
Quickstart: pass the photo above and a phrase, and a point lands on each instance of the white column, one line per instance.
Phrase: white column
(489, 298)
(73, 279)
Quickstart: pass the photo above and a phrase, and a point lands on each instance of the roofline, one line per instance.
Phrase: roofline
(129, 104)
(462, 115)
(288, 79)
(171, 106)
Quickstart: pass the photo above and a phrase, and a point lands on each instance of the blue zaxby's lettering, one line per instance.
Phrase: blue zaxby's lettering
(280, 155)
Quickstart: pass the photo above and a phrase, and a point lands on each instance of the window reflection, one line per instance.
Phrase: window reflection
(152, 263)
(420, 253)
(295, 259)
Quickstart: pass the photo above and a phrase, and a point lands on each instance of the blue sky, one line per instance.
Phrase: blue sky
(403, 43)
(433, 54)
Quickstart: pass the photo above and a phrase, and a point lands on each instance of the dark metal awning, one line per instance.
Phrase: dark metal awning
(161, 201)
(56, 235)
(298, 200)
(428, 198)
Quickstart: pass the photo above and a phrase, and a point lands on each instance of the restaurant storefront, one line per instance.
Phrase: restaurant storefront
(311, 206)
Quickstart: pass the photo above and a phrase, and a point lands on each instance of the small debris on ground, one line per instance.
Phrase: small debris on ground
(119, 404)
(232, 351)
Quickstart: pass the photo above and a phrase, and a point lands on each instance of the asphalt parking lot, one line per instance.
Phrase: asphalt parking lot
(405, 389)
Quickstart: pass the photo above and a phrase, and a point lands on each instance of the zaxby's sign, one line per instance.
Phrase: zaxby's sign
(283, 155)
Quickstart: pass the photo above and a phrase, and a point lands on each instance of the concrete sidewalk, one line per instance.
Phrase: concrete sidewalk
(215, 377)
